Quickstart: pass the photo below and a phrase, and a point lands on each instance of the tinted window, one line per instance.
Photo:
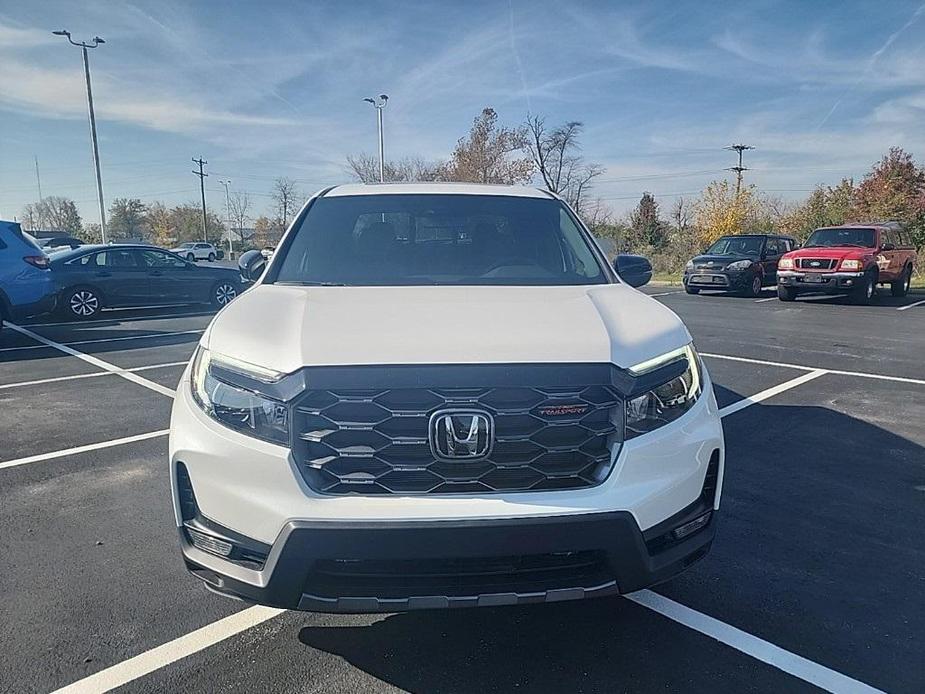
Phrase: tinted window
(888, 236)
(90, 260)
(121, 258)
(786, 245)
(773, 248)
(439, 239)
(159, 259)
(737, 245)
(842, 236)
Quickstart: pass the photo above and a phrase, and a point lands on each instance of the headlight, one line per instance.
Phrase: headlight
(739, 265)
(690, 265)
(851, 265)
(668, 401)
(785, 264)
(234, 406)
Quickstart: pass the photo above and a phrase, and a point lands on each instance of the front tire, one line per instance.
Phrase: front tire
(223, 294)
(82, 303)
(864, 293)
(190, 257)
(786, 293)
(691, 290)
(211, 257)
(901, 286)
(754, 289)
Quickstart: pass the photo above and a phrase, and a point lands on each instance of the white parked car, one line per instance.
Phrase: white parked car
(442, 395)
(196, 251)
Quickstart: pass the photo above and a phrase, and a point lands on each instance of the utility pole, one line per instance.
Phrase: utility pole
(202, 190)
(228, 215)
(83, 45)
(738, 169)
(379, 104)
(38, 179)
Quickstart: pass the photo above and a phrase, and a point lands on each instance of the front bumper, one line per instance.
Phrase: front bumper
(255, 490)
(713, 279)
(398, 566)
(824, 282)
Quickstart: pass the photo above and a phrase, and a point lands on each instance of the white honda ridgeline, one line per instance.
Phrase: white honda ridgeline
(442, 395)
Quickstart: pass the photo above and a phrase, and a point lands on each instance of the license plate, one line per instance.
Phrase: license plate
(814, 278)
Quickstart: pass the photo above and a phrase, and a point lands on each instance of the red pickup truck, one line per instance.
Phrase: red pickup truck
(849, 259)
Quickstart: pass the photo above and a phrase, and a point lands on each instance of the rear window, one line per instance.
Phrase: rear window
(438, 239)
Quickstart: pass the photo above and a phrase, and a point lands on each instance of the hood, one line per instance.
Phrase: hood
(285, 328)
(720, 261)
(832, 252)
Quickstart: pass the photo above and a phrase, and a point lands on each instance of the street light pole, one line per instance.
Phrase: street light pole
(83, 45)
(379, 104)
(228, 214)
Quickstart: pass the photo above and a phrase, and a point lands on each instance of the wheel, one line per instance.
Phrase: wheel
(223, 293)
(901, 286)
(190, 257)
(211, 257)
(786, 293)
(864, 292)
(691, 290)
(82, 303)
(754, 289)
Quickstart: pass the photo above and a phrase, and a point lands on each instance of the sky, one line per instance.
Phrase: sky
(261, 90)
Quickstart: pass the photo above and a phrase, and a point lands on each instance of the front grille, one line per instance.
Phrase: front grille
(457, 576)
(375, 441)
(816, 263)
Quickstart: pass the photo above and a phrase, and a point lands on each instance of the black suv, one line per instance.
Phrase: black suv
(741, 263)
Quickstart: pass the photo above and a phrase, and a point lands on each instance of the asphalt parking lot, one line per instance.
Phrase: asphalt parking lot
(816, 578)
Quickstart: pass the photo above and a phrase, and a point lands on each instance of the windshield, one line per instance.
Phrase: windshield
(737, 245)
(438, 239)
(842, 236)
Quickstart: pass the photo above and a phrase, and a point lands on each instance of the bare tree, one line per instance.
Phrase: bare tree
(556, 154)
(52, 213)
(286, 197)
(365, 168)
(239, 205)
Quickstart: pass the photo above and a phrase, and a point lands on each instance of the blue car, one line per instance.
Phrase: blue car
(26, 284)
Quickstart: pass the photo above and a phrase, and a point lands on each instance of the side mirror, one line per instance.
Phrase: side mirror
(635, 270)
(888, 247)
(252, 264)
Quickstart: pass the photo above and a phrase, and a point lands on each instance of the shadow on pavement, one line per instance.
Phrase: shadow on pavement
(819, 550)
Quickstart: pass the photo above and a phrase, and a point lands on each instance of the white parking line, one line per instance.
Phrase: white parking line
(95, 374)
(761, 301)
(115, 319)
(82, 449)
(93, 341)
(917, 303)
(839, 372)
(666, 293)
(99, 363)
(746, 643)
(170, 652)
(770, 392)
